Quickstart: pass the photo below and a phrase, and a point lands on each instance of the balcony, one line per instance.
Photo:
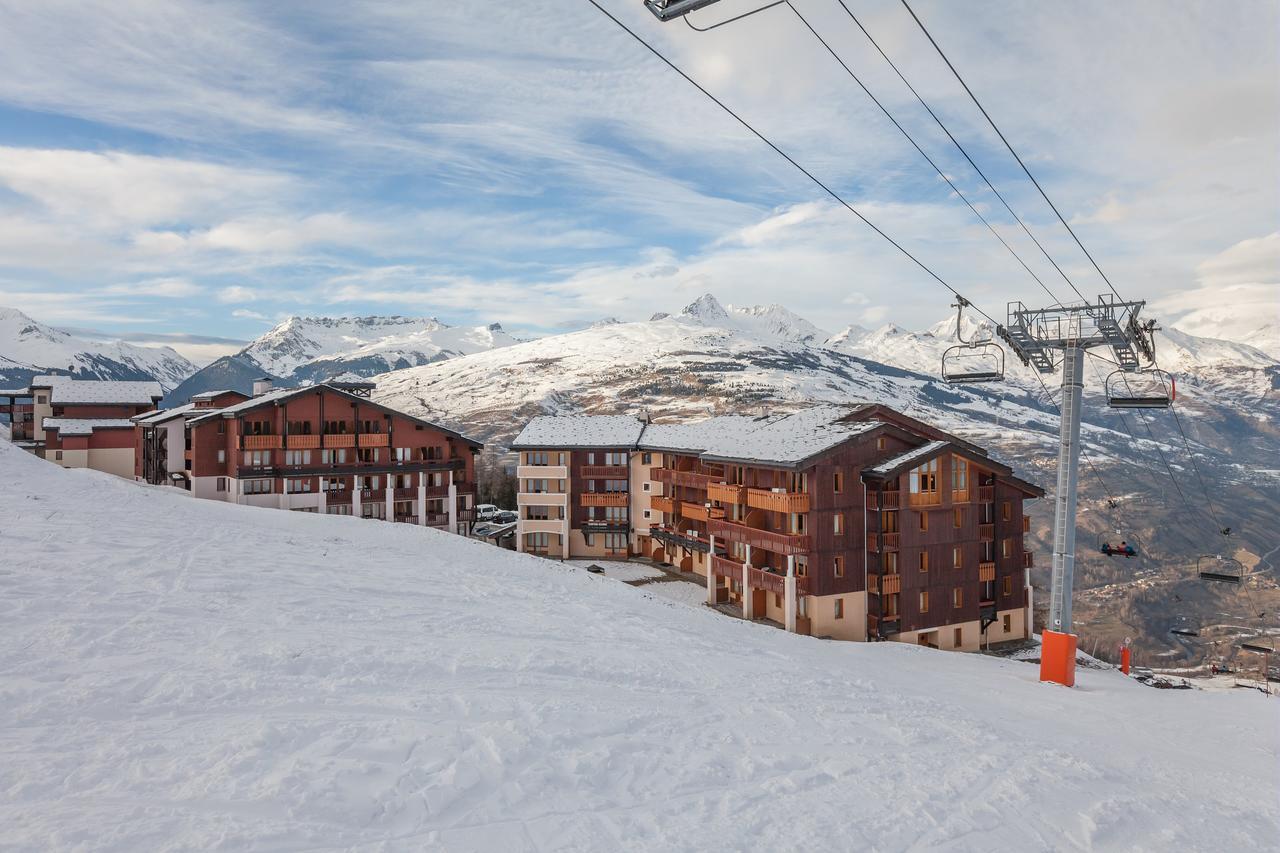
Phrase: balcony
(986, 494)
(542, 472)
(777, 543)
(661, 504)
(889, 584)
(670, 537)
(605, 472)
(446, 464)
(536, 498)
(1028, 559)
(441, 491)
(405, 494)
(338, 440)
(373, 439)
(960, 496)
(691, 479)
(726, 493)
(986, 532)
(986, 571)
(1026, 524)
(302, 442)
(337, 496)
(924, 498)
(603, 499)
(437, 519)
(726, 567)
(883, 541)
(260, 442)
(373, 495)
(787, 502)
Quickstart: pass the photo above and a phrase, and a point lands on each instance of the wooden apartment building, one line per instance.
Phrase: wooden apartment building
(853, 522)
(86, 423)
(320, 448)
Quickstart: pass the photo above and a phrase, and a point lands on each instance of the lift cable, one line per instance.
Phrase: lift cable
(784, 155)
(1027, 171)
(962, 150)
(942, 174)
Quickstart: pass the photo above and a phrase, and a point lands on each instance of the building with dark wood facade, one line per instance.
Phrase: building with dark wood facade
(854, 522)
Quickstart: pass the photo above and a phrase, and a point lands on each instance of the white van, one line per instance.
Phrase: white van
(484, 512)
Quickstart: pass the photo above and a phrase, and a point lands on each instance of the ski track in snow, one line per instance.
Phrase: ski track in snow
(180, 674)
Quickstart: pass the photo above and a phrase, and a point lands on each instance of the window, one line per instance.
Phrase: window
(1006, 511)
(777, 600)
(958, 517)
(42, 398)
(257, 487)
(837, 481)
(924, 479)
(297, 457)
(1007, 586)
(924, 561)
(890, 562)
(222, 457)
(839, 561)
(646, 458)
(924, 520)
(957, 597)
(334, 457)
(57, 454)
(615, 543)
(339, 509)
(1007, 623)
(257, 458)
(839, 608)
(957, 639)
(645, 487)
(959, 474)
(612, 486)
(924, 601)
(646, 513)
(1006, 547)
(298, 486)
(537, 543)
(838, 523)
(222, 427)
(802, 566)
(374, 510)
(957, 557)
(615, 459)
(222, 484)
(404, 454)
(889, 522)
(367, 454)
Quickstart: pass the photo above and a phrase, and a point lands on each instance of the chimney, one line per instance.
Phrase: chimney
(262, 386)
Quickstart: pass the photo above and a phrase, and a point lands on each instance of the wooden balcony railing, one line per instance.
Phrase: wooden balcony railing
(777, 543)
(437, 519)
(658, 503)
(778, 501)
(345, 439)
(986, 532)
(1026, 524)
(691, 479)
(1028, 559)
(886, 500)
(302, 442)
(605, 472)
(373, 439)
(960, 496)
(441, 491)
(337, 496)
(889, 584)
(986, 494)
(699, 512)
(406, 493)
(986, 571)
(261, 442)
(726, 493)
(924, 498)
(726, 568)
(373, 495)
(603, 499)
(883, 541)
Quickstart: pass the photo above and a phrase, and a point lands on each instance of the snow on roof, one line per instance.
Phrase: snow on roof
(85, 426)
(791, 439)
(696, 436)
(66, 390)
(167, 414)
(209, 395)
(893, 463)
(15, 392)
(580, 431)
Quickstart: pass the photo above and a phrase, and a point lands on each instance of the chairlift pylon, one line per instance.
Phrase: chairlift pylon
(1218, 569)
(969, 362)
(1155, 389)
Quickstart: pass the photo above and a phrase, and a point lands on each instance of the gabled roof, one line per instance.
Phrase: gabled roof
(579, 431)
(85, 426)
(153, 418)
(64, 390)
(895, 465)
(209, 395)
(791, 440)
(281, 395)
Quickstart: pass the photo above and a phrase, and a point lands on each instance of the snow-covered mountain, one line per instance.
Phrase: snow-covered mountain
(28, 347)
(313, 349)
(284, 680)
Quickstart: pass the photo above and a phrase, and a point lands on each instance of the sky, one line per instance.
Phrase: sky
(192, 173)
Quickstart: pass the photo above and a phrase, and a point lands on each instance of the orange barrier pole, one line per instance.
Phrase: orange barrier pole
(1058, 658)
(1124, 659)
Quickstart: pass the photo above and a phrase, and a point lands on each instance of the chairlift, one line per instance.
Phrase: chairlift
(967, 362)
(1184, 632)
(1145, 389)
(1118, 546)
(1257, 647)
(1218, 569)
(667, 10)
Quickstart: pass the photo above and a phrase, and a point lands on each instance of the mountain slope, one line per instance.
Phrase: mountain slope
(233, 688)
(313, 349)
(28, 347)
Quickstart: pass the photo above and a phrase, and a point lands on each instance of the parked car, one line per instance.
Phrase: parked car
(485, 512)
(506, 516)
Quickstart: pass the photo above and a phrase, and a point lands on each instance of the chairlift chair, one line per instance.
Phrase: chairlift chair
(1123, 546)
(979, 360)
(1184, 632)
(1145, 389)
(1257, 647)
(1218, 569)
(667, 10)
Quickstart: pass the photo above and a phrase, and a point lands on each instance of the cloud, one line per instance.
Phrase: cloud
(237, 293)
(245, 314)
(1238, 292)
(168, 288)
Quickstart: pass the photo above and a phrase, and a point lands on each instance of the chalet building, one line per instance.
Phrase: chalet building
(19, 410)
(320, 448)
(83, 423)
(851, 522)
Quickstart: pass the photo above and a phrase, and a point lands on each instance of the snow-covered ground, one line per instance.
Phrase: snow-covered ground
(180, 674)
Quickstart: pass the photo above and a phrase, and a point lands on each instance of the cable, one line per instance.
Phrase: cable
(731, 20)
(1027, 171)
(785, 156)
(965, 153)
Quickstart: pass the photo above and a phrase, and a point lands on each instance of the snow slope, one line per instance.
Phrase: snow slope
(288, 681)
(28, 347)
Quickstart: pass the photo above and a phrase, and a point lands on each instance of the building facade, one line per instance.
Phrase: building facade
(83, 423)
(315, 449)
(846, 522)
